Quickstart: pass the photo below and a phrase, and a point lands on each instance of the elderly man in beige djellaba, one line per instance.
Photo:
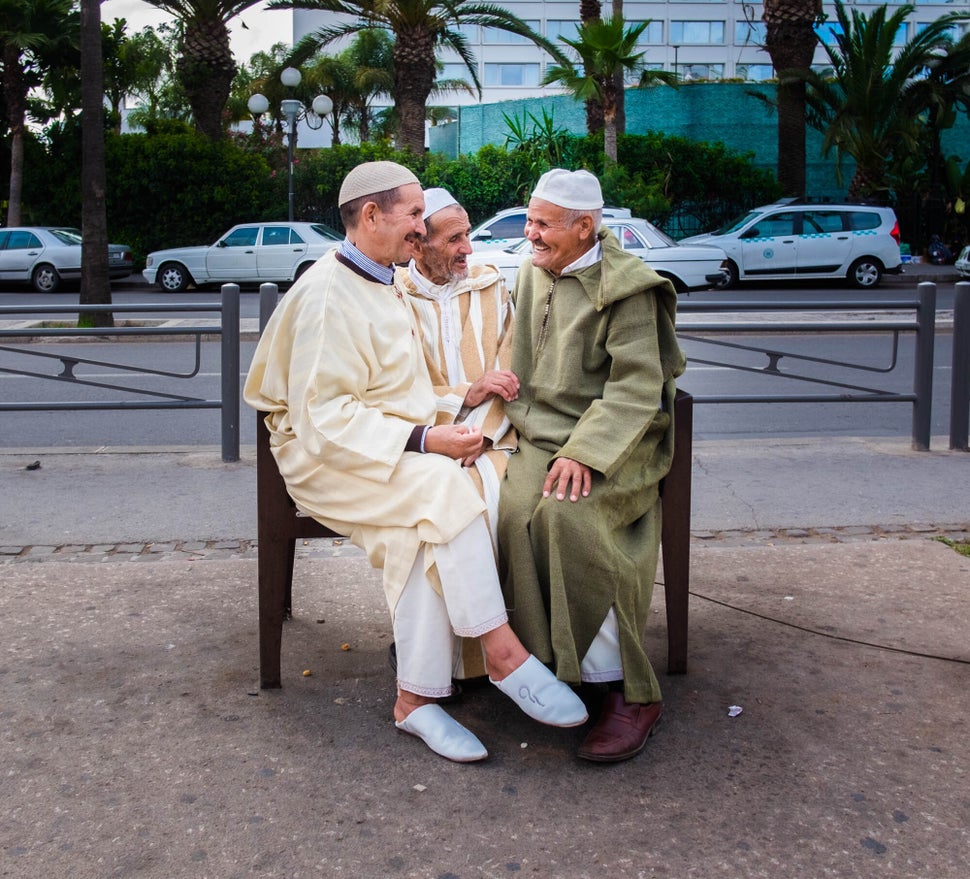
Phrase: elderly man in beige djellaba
(352, 419)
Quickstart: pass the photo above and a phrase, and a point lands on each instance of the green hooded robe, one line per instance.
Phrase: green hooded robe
(596, 387)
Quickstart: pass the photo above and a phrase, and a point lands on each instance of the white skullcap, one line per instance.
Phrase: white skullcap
(437, 199)
(576, 190)
(373, 177)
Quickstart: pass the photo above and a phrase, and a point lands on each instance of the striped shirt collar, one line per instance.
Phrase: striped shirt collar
(380, 274)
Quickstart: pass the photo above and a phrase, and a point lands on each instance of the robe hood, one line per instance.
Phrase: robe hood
(618, 275)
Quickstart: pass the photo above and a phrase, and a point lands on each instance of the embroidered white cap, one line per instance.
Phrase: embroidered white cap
(373, 177)
(437, 199)
(575, 190)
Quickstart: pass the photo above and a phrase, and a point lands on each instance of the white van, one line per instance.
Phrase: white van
(792, 240)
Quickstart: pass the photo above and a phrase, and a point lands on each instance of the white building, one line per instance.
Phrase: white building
(705, 40)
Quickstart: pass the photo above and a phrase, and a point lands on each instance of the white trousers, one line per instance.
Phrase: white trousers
(602, 661)
(426, 623)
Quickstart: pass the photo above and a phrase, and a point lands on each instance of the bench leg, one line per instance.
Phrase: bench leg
(275, 574)
(675, 535)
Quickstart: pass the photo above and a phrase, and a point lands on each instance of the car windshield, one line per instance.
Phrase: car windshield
(67, 236)
(662, 236)
(326, 232)
(734, 225)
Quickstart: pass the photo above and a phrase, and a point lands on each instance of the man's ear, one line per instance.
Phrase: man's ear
(368, 215)
(586, 227)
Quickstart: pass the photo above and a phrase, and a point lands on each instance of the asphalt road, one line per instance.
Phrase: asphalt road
(712, 371)
(135, 290)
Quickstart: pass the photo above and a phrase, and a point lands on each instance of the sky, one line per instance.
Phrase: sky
(264, 27)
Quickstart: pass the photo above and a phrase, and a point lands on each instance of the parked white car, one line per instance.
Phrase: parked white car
(250, 253)
(690, 267)
(508, 227)
(794, 240)
(962, 265)
(44, 256)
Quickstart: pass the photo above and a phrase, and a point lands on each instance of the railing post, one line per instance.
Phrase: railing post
(230, 372)
(960, 377)
(923, 369)
(268, 294)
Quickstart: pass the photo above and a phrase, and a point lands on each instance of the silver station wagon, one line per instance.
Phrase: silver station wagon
(792, 240)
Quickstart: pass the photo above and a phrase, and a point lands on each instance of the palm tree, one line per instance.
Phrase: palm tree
(372, 55)
(790, 40)
(605, 48)
(420, 28)
(28, 30)
(205, 66)
(870, 107)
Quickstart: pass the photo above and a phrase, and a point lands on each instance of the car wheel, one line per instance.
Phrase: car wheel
(730, 275)
(679, 286)
(172, 277)
(865, 273)
(45, 278)
(300, 270)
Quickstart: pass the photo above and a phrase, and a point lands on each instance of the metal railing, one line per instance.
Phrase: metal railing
(922, 324)
(227, 329)
(960, 377)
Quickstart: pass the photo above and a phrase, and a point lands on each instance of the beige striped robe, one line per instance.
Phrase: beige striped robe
(466, 329)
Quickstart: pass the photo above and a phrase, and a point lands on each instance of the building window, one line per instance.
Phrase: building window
(455, 70)
(706, 33)
(653, 33)
(512, 74)
(754, 72)
(828, 34)
(557, 29)
(749, 33)
(470, 32)
(702, 72)
(493, 36)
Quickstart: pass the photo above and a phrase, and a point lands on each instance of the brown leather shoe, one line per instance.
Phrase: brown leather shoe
(621, 731)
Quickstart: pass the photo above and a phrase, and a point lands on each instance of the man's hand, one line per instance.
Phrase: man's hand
(570, 475)
(495, 382)
(454, 440)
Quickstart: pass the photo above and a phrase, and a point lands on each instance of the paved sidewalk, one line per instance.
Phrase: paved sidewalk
(136, 742)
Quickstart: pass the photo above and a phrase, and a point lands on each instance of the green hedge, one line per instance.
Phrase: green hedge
(174, 187)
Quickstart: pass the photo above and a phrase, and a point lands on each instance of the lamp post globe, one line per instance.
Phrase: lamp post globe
(293, 110)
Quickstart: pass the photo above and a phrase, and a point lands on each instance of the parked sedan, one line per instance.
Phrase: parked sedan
(690, 267)
(962, 264)
(44, 256)
(250, 253)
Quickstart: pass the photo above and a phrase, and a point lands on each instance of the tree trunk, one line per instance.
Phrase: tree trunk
(95, 283)
(591, 10)
(790, 40)
(609, 122)
(15, 95)
(414, 78)
(206, 70)
(619, 84)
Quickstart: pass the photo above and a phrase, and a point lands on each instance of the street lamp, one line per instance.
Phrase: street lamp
(293, 110)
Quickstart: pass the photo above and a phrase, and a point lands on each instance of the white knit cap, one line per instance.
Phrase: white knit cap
(437, 199)
(576, 190)
(373, 177)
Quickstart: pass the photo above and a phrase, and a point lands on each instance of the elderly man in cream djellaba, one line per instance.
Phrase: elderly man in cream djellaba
(352, 418)
(465, 317)
(596, 354)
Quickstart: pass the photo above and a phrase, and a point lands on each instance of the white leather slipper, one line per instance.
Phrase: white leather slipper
(538, 692)
(443, 734)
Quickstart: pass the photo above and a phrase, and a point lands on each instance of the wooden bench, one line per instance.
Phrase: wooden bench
(279, 527)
